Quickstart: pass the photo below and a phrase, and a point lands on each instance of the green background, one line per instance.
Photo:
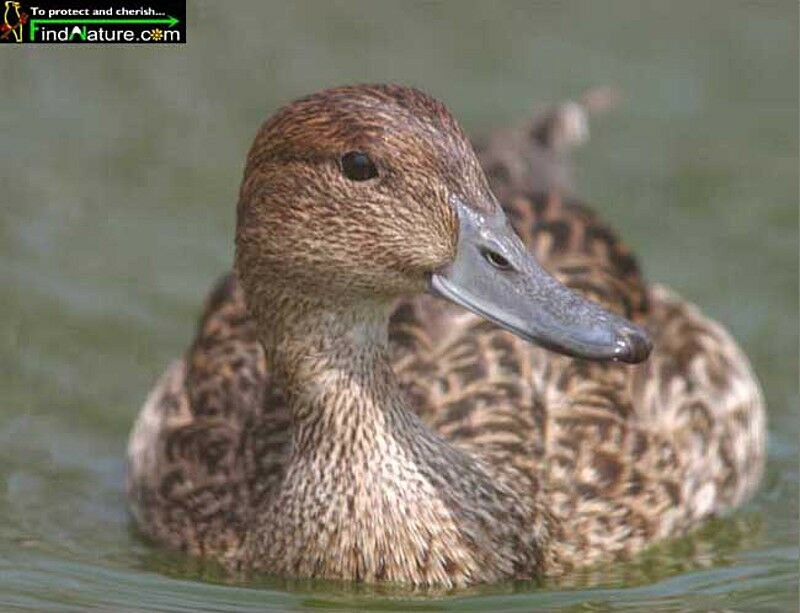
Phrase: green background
(120, 169)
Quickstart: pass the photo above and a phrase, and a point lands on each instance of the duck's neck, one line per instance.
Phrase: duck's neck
(332, 365)
(368, 491)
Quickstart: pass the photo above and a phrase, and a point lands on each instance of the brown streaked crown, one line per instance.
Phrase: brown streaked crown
(302, 221)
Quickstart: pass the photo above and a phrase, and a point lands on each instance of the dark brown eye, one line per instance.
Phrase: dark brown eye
(357, 166)
(496, 260)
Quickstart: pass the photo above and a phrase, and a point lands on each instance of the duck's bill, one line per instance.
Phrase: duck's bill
(496, 277)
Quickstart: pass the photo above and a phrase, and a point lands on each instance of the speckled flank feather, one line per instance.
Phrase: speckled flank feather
(512, 462)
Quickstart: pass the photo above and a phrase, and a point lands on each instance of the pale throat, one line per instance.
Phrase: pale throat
(353, 429)
(332, 363)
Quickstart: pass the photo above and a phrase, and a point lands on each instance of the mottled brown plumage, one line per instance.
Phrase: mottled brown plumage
(293, 438)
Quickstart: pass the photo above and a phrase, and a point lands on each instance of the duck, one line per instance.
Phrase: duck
(405, 380)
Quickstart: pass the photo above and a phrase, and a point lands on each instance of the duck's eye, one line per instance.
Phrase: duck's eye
(496, 260)
(357, 166)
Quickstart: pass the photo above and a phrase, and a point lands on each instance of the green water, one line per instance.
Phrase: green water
(120, 167)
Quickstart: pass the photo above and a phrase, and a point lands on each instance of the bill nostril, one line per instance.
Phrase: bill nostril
(633, 346)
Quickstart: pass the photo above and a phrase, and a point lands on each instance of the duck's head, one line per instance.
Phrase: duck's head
(368, 193)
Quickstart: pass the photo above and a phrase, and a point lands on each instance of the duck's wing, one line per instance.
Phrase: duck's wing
(693, 415)
(211, 437)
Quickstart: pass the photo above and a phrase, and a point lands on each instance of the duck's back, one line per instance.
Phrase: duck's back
(624, 455)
